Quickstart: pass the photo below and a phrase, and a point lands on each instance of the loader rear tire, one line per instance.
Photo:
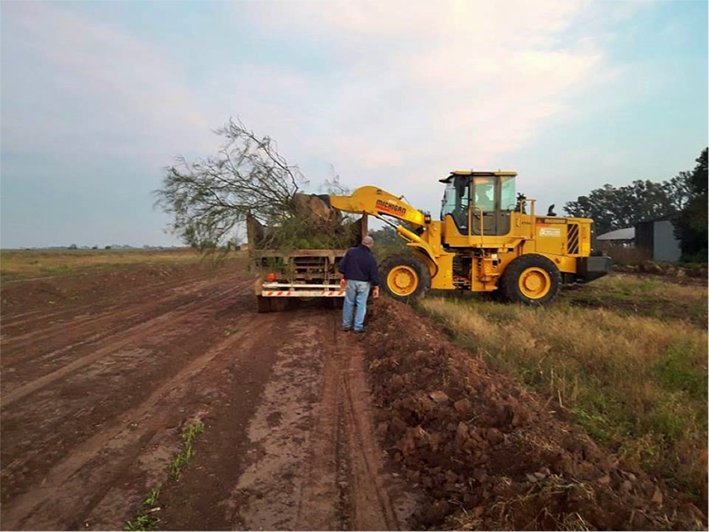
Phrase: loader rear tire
(531, 280)
(404, 277)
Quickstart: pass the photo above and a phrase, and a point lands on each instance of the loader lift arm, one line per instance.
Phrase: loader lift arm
(379, 203)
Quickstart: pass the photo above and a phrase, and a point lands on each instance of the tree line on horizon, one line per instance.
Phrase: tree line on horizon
(681, 199)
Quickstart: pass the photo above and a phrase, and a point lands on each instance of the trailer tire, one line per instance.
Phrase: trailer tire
(264, 304)
(531, 280)
(279, 304)
(404, 277)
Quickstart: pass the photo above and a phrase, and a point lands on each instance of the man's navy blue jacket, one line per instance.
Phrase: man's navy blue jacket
(359, 264)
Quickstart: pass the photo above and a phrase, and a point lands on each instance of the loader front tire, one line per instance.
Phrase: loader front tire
(532, 280)
(404, 277)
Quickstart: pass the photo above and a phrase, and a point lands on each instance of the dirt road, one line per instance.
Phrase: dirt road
(97, 393)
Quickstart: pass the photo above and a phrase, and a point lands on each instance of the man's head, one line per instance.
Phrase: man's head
(368, 241)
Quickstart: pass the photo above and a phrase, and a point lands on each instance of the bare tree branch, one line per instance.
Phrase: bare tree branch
(208, 198)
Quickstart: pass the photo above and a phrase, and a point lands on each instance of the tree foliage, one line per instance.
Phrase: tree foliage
(209, 197)
(386, 236)
(387, 242)
(619, 207)
(691, 223)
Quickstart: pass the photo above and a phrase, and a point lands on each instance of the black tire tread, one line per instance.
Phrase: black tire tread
(263, 304)
(413, 262)
(509, 284)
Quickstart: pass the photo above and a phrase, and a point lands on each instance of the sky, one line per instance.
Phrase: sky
(98, 97)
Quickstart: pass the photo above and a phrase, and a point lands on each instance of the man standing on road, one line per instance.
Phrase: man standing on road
(359, 272)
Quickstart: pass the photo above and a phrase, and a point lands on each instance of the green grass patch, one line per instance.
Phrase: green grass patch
(147, 519)
(643, 296)
(634, 382)
(184, 457)
(682, 368)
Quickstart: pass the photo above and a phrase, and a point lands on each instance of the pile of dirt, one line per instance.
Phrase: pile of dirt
(487, 454)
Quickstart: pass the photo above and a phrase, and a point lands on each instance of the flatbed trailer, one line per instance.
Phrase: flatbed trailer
(296, 274)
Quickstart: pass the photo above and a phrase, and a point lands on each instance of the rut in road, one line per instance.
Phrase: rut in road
(66, 416)
(79, 323)
(105, 304)
(91, 420)
(311, 461)
(158, 325)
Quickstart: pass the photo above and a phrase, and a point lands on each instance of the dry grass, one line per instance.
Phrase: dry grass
(634, 382)
(652, 297)
(21, 264)
(625, 255)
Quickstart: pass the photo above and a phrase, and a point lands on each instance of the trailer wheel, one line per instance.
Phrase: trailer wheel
(404, 277)
(531, 280)
(263, 303)
(279, 304)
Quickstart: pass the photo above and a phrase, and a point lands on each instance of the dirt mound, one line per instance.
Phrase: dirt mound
(489, 455)
(38, 292)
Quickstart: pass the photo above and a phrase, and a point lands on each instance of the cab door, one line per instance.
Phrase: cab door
(456, 205)
(483, 211)
(493, 204)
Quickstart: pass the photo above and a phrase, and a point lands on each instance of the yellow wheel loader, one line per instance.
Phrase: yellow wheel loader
(485, 241)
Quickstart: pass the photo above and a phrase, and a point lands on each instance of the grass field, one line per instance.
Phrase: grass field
(627, 356)
(24, 264)
(648, 296)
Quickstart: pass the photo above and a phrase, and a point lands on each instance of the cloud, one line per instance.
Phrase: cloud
(391, 93)
(418, 88)
(459, 81)
(421, 87)
(118, 95)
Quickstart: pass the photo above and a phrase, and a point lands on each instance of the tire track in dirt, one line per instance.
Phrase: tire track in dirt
(371, 489)
(92, 423)
(111, 314)
(95, 466)
(114, 301)
(314, 463)
(171, 319)
(21, 366)
(39, 430)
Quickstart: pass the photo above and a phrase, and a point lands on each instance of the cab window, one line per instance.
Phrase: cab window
(456, 200)
(508, 193)
(484, 191)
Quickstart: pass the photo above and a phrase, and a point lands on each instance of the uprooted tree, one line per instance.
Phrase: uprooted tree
(209, 198)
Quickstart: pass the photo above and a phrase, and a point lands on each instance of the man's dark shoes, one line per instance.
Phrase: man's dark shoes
(360, 331)
(346, 329)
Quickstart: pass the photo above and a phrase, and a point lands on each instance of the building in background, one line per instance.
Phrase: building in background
(619, 237)
(657, 238)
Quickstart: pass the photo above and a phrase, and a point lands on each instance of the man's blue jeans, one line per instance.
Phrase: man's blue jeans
(355, 304)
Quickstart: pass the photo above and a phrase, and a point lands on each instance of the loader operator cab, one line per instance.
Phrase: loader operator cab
(480, 203)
